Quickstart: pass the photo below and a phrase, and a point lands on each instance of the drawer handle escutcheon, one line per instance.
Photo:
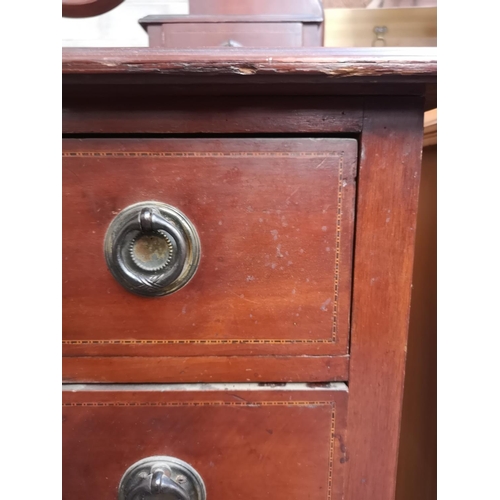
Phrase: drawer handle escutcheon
(165, 476)
(152, 249)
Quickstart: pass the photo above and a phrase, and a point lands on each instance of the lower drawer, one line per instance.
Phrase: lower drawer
(244, 440)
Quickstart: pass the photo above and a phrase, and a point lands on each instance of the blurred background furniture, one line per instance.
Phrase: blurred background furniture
(255, 23)
(118, 27)
(88, 8)
(384, 27)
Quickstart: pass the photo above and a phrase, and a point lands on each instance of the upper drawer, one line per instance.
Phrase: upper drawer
(274, 219)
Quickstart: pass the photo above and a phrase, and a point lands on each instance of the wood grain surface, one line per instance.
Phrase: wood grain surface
(275, 218)
(192, 35)
(127, 109)
(244, 444)
(211, 369)
(389, 173)
(417, 465)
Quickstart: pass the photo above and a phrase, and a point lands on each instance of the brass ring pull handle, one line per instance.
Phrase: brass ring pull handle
(152, 249)
(164, 477)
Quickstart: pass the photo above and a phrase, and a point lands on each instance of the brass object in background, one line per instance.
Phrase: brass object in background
(406, 27)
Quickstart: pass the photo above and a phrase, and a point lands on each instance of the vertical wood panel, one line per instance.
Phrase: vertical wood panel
(385, 234)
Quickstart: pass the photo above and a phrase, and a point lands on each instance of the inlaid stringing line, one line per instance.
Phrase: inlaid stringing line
(120, 154)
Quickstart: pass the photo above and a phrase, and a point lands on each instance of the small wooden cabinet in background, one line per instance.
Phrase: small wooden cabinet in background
(223, 23)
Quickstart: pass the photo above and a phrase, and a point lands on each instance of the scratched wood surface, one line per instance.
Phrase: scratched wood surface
(277, 72)
(244, 444)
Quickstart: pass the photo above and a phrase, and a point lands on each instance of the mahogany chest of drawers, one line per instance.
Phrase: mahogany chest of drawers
(238, 232)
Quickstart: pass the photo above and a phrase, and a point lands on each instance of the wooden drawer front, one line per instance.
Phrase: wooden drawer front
(195, 35)
(251, 444)
(275, 220)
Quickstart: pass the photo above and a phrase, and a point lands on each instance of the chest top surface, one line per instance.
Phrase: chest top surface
(297, 71)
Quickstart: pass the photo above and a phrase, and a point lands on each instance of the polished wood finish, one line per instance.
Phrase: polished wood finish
(275, 219)
(388, 183)
(250, 444)
(373, 99)
(264, 28)
(417, 466)
(430, 127)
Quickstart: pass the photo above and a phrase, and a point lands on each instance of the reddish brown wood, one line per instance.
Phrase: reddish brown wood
(221, 34)
(390, 144)
(275, 218)
(134, 369)
(87, 8)
(249, 444)
(417, 452)
(345, 4)
(389, 172)
(328, 63)
(128, 109)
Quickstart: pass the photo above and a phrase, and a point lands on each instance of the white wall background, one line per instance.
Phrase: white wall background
(118, 27)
